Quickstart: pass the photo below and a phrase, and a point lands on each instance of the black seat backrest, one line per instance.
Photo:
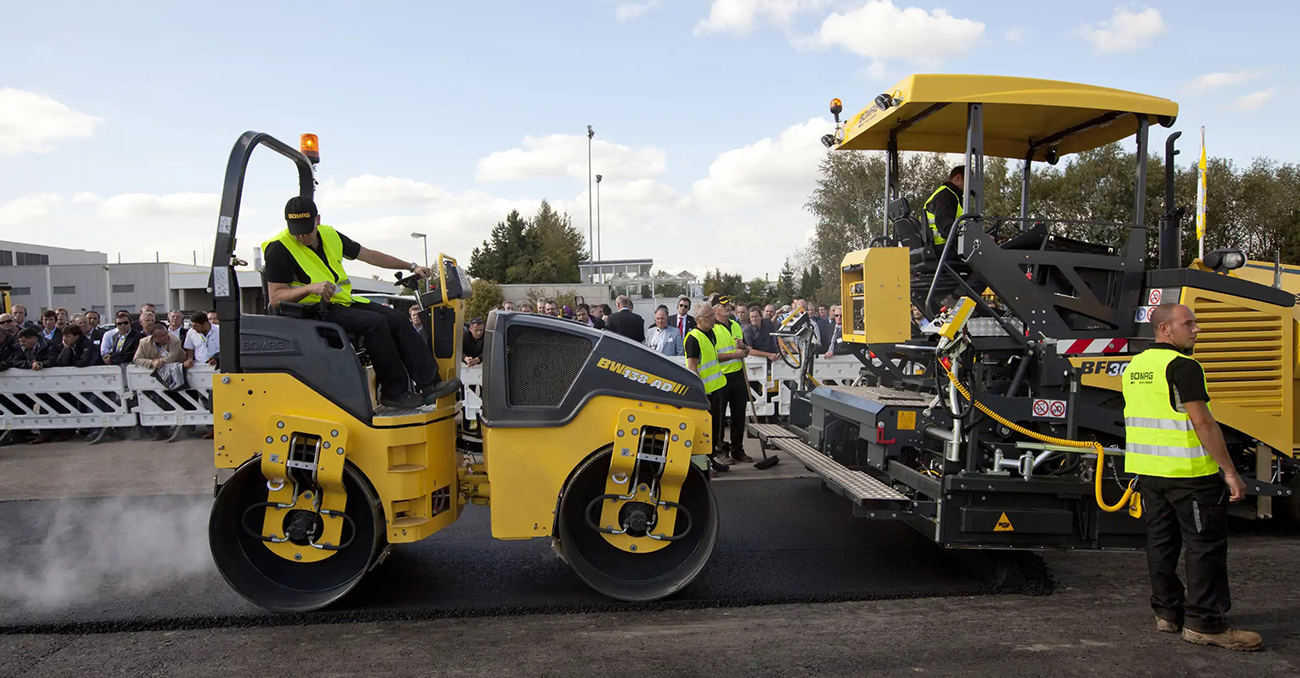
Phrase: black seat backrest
(909, 231)
(318, 354)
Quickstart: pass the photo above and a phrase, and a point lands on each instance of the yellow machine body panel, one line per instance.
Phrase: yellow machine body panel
(1017, 111)
(1247, 349)
(875, 292)
(407, 459)
(330, 442)
(632, 443)
(529, 466)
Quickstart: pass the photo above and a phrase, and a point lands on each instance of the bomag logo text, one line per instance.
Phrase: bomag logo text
(640, 377)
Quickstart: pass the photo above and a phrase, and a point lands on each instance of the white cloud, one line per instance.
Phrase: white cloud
(1125, 31)
(368, 189)
(743, 16)
(142, 205)
(1213, 81)
(565, 155)
(86, 198)
(1254, 101)
(769, 171)
(626, 11)
(33, 123)
(24, 211)
(1014, 35)
(881, 30)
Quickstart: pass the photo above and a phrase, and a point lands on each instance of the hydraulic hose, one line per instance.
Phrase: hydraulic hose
(1051, 440)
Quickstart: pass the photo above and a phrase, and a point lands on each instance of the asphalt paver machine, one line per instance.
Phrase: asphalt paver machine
(990, 413)
(586, 438)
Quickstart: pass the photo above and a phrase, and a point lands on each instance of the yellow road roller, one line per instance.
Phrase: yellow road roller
(587, 438)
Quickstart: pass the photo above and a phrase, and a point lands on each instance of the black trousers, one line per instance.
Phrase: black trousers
(1190, 515)
(396, 351)
(736, 400)
(717, 405)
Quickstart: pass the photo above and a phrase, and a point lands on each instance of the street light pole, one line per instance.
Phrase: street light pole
(591, 243)
(425, 238)
(598, 238)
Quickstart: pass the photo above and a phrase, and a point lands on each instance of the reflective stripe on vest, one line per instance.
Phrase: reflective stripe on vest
(316, 269)
(710, 372)
(1160, 440)
(737, 337)
(939, 238)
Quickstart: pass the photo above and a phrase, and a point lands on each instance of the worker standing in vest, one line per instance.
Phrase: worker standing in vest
(736, 397)
(705, 353)
(304, 264)
(943, 207)
(1177, 449)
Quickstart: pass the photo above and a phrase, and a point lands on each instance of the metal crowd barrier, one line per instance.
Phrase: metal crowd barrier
(100, 397)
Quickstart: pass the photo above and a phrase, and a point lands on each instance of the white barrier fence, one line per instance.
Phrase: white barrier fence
(100, 397)
(770, 383)
(123, 396)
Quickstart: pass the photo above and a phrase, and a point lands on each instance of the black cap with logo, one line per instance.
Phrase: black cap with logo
(300, 213)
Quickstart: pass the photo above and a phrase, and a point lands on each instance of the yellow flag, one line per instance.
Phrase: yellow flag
(1200, 192)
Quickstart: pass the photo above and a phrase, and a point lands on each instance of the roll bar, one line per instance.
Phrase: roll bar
(224, 282)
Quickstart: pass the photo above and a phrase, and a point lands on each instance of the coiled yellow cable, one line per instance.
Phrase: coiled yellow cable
(1101, 503)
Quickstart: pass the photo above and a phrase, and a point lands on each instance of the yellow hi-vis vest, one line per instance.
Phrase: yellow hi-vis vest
(1160, 440)
(317, 269)
(939, 238)
(710, 368)
(728, 341)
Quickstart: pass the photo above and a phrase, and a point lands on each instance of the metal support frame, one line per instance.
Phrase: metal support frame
(224, 281)
(892, 188)
(1140, 190)
(1026, 173)
(973, 183)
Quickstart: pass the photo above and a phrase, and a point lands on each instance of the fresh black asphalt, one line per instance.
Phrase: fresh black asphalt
(99, 565)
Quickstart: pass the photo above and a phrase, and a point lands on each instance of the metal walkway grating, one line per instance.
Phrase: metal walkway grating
(856, 485)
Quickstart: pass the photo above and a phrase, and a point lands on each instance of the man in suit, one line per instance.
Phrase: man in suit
(835, 337)
(665, 338)
(122, 346)
(625, 322)
(584, 316)
(50, 331)
(160, 347)
(684, 321)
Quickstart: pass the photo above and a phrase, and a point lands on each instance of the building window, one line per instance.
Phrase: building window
(6, 258)
(33, 259)
(123, 289)
(66, 289)
(21, 291)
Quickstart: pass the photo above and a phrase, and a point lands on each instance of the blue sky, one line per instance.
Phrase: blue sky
(116, 119)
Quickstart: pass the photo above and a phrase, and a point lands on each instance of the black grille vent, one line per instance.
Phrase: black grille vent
(542, 364)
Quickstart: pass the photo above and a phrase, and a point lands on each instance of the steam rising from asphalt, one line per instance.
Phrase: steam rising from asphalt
(98, 548)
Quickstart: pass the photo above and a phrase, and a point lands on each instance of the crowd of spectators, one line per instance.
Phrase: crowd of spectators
(668, 331)
(80, 340)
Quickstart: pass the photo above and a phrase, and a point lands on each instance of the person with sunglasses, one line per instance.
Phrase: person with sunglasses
(11, 353)
(122, 348)
(684, 321)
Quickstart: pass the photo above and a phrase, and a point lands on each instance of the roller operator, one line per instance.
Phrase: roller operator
(304, 264)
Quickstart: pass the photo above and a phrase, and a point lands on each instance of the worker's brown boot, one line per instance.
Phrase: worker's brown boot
(1166, 626)
(1229, 639)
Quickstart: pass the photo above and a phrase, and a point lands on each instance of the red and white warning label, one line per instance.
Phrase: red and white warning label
(1153, 298)
(1049, 409)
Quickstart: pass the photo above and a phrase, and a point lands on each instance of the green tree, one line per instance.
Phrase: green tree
(760, 292)
(544, 249)
(785, 289)
(729, 284)
(485, 296)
